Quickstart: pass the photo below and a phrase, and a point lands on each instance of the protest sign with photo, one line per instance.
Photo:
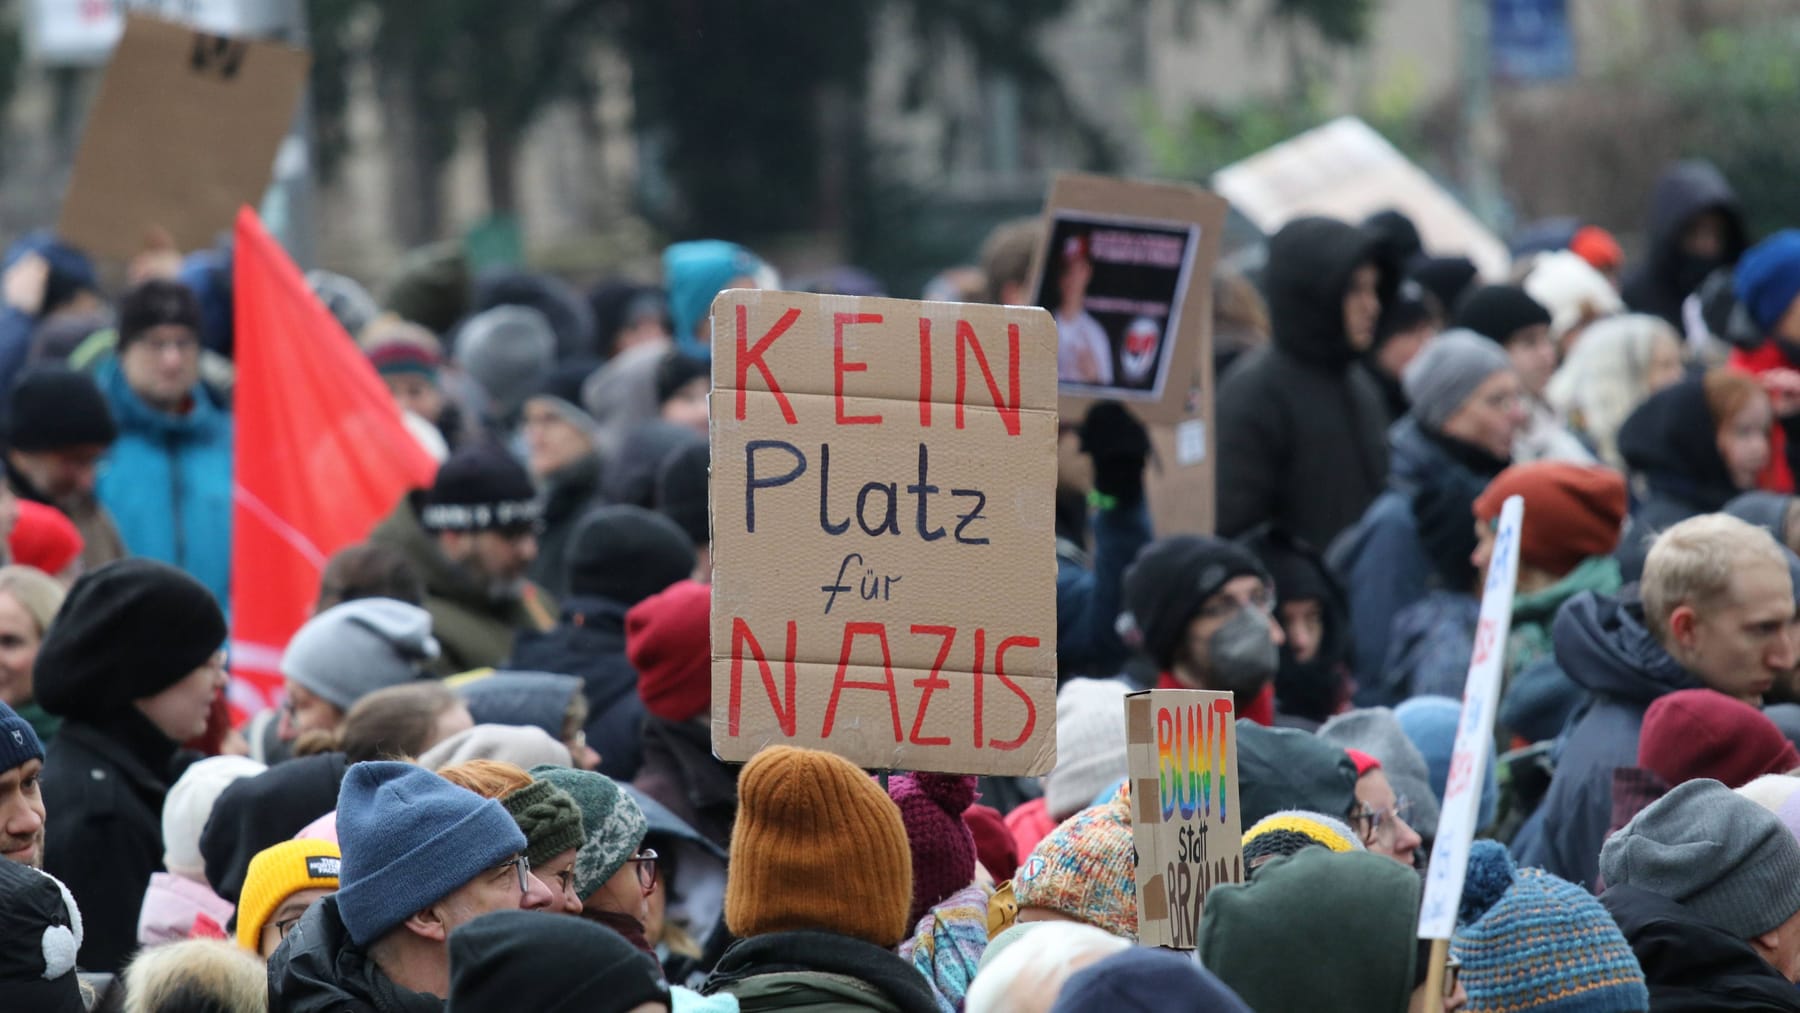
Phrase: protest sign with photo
(884, 567)
(184, 132)
(1181, 747)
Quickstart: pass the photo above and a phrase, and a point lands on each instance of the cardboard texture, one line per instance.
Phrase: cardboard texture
(884, 568)
(183, 133)
(1181, 747)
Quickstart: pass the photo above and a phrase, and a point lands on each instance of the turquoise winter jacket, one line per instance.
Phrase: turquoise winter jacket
(167, 481)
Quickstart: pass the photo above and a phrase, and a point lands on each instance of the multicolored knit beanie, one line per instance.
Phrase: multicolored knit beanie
(1087, 868)
(1529, 940)
(1288, 831)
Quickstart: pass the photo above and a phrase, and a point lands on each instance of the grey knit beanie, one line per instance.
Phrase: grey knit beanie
(351, 650)
(1376, 731)
(509, 350)
(614, 825)
(1715, 852)
(1443, 376)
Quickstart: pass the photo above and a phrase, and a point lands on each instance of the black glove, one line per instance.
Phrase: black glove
(1119, 445)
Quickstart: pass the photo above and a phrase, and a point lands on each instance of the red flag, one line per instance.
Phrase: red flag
(321, 457)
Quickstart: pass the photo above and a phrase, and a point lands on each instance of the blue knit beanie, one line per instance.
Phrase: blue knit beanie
(694, 272)
(1529, 940)
(1430, 722)
(410, 839)
(1144, 978)
(18, 742)
(1767, 279)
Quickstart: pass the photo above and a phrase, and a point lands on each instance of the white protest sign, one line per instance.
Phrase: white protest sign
(1474, 733)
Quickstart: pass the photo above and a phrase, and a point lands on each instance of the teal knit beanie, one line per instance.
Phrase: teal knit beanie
(612, 822)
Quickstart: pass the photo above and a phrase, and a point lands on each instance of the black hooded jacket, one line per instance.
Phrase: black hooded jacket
(1302, 435)
(318, 969)
(1691, 966)
(1669, 444)
(1309, 692)
(1683, 192)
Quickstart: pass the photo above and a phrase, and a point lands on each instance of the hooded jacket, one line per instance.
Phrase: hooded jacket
(819, 972)
(319, 970)
(568, 494)
(1691, 966)
(589, 642)
(474, 627)
(1307, 693)
(1684, 191)
(1669, 443)
(680, 771)
(167, 481)
(1301, 439)
(1604, 646)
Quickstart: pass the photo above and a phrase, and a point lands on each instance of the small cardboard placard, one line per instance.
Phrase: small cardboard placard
(184, 132)
(884, 565)
(1181, 747)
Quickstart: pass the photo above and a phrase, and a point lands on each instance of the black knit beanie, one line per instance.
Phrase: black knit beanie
(1170, 582)
(54, 408)
(1497, 312)
(681, 491)
(676, 370)
(127, 631)
(154, 303)
(480, 488)
(626, 554)
(524, 960)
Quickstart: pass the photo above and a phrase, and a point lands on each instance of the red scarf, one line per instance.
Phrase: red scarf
(1260, 710)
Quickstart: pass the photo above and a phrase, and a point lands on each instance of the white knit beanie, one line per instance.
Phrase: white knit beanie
(190, 802)
(1090, 744)
(1572, 291)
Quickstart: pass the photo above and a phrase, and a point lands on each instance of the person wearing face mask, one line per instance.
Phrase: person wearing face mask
(1201, 609)
(1696, 225)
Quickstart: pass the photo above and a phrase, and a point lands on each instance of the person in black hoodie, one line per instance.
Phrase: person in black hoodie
(1696, 225)
(619, 556)
(1300, 431)
(132, 666)
(1313, 682)
(1705, 884)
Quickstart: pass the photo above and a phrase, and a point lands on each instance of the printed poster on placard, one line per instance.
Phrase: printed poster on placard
(1181, 748)
(884, 565)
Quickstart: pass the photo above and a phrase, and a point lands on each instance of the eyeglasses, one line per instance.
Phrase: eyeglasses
(1381, 824)
(645, 861)
(1452, 971)
(520, 866)
(284, 925)
(184, 345)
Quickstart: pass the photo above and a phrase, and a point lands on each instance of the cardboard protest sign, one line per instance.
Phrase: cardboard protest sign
(882, 531)
(183, 133)
(1181, 747)
(1474, 746)
(1126, 267)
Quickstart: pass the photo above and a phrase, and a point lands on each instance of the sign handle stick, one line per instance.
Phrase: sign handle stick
(1434, 976)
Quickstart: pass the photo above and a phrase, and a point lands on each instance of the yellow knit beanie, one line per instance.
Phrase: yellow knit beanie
(277, 873)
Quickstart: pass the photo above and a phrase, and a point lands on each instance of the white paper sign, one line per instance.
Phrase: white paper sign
(83, 32)
(1474, 733)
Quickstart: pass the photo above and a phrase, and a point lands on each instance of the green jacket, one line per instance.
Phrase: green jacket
(819, 972)
(474, 626)
(1533, 613)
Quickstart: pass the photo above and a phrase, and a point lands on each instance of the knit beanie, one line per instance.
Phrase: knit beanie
(523, 746)
(676, 370)
(40, 933)
(1087, 868)
(1780, 794)
(1286, 832)
(158, 302)
(348, 302)
(560, 392)
(410, 839)
(817, 845)
(1572, 512)
(1446, 278)
(351, 650)
(943, 848)
(1767, 278)
(1726, 859)
(1497, 312)
(1253, 934)
(431, 285)
(1285, 768)
(1170, 582)
(1572, 291)
(1766, 510)
(682, 487)
(44, 538)
(668, 640)
(395, 347)
(1090, 744)
(1701, 733)
(626, 554)
(548, 817)
(189, 804)
(480, 488)
(1442, 377)
(277, 873)
(995, 848)
(523, 960)
(1598, 247)
(1146, 980)
(611, 822)
(1529, 940)
(1376, 731)
(507, 350)
(254, 813)
(55, 408)
(128, 630)
(565, 311)
(538, 699)
(696, 271)
(19, 742)
(1430, 723)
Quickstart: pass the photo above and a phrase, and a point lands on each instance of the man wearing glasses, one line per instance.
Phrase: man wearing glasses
(421, 856)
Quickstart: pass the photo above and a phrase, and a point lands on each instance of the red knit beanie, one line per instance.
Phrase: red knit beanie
(943, 849)
(1571, 512)
(43, 538)
(1364, 762)
(1696, 733)
(994, 844)
(1598, 247)
(667, 641)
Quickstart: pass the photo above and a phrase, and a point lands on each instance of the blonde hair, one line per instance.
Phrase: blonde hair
(487, 778)
(1603, 380)
(37, 593)
(196, 973)
(1693, 562)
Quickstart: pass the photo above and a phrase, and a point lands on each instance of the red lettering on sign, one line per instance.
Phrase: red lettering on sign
(1000, 673)
(752, 355)
(840, 366)
(924, 373)
(838, 683)
(1484, 641)
(932, 682)
(967, 343)
(784, 713)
